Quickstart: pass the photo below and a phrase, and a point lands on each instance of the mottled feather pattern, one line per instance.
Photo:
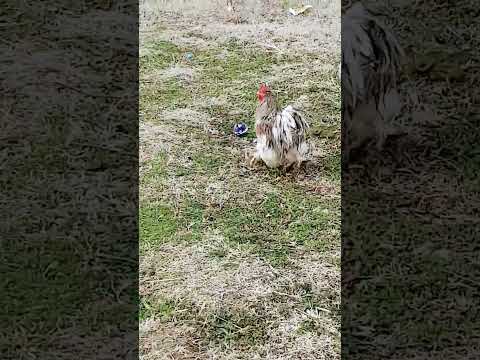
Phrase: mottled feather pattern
(289, 129)
(371, 60)
(281, 134)
(264, 130)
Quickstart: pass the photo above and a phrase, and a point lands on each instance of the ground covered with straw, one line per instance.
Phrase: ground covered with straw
(237, 263)
(410, 214)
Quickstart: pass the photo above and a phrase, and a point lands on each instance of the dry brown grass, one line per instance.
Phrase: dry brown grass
(204, 285)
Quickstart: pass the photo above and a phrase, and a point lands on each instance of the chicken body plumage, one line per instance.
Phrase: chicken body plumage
(281, 134)
(371, 59)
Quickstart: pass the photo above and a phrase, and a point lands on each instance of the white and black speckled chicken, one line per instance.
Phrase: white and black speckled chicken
(371, 60)
(281, 133)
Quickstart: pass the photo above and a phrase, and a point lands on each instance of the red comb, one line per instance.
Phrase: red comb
(263, 86)
(262, 92)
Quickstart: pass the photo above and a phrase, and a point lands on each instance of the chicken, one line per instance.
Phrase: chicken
(371, 59)
(281, 133)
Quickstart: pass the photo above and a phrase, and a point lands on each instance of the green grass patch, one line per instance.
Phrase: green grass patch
(280, 222)
(159, 55)
(167, 94)
(236, 329)
(158, 225)
(236, 65)
(157, 169)
(164, 93)
(330, 132)
(223, 327)
(205, 162)
(307, 326)
(158, 309)
(192, 220)
(332, 167)
(277, 256)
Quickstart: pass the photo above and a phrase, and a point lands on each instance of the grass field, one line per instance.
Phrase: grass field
(237, 263)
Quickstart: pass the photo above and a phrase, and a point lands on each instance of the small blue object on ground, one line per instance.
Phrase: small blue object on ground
(240, 129)
(189, 56)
